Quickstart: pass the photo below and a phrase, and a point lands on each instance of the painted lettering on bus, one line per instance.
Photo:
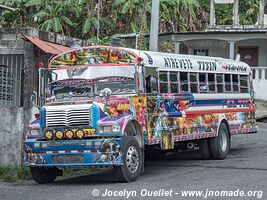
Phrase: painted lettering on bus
(207, 66)
(230, 67)
(178, 63)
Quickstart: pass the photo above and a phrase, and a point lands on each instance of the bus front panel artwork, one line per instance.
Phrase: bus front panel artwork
(114, 107)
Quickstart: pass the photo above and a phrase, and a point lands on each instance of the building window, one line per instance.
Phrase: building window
(174, 83)
(193, 83)
(219, 78)
(184, 81)
(201, 52)
(211, 82)
(203, 88)
(244, 83)
(163, 78)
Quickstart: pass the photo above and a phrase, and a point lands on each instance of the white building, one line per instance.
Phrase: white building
(249, 41)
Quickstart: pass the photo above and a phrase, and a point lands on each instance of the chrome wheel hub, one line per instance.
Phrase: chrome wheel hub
(223, 141)
(132, 159)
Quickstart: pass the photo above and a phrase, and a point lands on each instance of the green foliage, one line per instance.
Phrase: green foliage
(12, 174)
(78, 171)
(79, 18)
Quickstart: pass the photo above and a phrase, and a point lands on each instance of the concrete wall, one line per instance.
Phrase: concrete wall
(217, 48)
(11, 135)
(260, 83)
(220, 48)
(14, 121)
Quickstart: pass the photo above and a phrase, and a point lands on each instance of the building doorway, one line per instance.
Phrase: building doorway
(249, 55)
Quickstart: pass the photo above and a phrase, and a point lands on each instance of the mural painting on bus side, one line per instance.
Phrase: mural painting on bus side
(139, 111)
(167, 119)
(243, 120)
(99, 55)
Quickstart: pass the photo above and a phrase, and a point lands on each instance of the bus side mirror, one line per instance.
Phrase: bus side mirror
(34, 99)
(139, 79)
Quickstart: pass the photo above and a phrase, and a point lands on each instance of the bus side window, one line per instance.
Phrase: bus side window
(193, 83)
(235, 82)
(203, 83)
(211, 82)
(174, 83)
(163, 78)
(227, 80)
(151, 84)
(219, 79)
(244, 83)
(184, 81)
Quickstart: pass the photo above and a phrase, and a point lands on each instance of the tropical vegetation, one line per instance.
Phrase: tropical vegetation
(79, 18)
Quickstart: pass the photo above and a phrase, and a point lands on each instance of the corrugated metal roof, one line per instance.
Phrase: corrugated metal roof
(47, 47)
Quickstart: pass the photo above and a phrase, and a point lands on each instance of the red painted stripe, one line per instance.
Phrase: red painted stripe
(223, 110)
(190, 116)
(94, 151)
(80, 151)
(42, 152)
(67, 151)
(56, 151)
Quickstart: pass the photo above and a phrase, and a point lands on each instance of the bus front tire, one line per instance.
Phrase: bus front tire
(132, 161)
(44, 175)
(220, 145)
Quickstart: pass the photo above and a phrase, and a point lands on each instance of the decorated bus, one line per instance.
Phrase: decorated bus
(114, 107)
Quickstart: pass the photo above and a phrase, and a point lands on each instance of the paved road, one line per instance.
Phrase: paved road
(244, 169)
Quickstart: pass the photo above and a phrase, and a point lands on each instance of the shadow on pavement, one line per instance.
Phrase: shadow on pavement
(107, 176)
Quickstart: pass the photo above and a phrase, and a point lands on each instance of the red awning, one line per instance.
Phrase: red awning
(47, 47)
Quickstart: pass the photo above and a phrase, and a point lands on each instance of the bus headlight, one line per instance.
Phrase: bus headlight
(69, 134)
(59, 135)
(116, 128)
(80, 134)
(34, 132)
(49, 135)
(110, 129)
(105, 129)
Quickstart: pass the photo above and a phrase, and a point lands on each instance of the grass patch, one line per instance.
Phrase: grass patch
(13, 174)
(78, 171)
(264, 105)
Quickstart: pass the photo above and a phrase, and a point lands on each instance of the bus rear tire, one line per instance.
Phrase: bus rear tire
(153, 154)
(220, 145)
(204, 149)
(132, 161)
(44, 175)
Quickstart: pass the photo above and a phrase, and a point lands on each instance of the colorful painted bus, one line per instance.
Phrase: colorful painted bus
(114, 107)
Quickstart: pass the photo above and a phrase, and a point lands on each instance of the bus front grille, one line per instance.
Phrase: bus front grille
(68, 118)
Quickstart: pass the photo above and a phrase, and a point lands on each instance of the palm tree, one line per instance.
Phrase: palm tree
(52, 15)
(89, 18)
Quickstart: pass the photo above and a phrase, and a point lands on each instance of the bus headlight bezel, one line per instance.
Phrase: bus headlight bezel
(80, 132)
(49, 134)
(67, 136)
(59, 132)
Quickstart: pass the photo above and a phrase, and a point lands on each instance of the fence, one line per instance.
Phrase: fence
(10, 80)
(260, 82)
